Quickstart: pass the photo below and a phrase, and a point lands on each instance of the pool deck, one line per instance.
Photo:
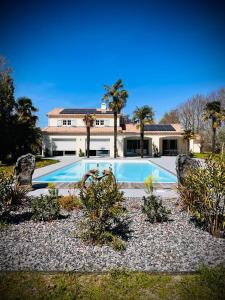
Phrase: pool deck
(129, 189)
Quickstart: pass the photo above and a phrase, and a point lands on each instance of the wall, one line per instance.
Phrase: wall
(109, 122)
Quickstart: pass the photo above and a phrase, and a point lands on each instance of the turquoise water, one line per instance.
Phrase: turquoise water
(124, 171)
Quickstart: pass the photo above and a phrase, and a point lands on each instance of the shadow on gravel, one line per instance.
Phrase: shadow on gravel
(123, 230)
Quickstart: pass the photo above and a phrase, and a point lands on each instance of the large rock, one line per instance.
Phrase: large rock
(183, 163)
(24, 169)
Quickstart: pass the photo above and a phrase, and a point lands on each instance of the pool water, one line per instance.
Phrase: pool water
(124, 171)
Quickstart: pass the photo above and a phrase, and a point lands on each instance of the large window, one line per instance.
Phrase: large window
(133, 147)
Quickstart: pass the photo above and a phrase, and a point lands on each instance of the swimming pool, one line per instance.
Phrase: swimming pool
(124, 171)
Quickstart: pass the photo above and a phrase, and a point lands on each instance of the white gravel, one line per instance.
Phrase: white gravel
(175, 246)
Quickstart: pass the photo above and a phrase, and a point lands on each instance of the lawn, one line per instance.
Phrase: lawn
(206, 284)
(206, 154)
(39, 164)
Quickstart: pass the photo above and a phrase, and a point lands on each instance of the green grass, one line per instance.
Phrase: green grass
(207, 284)
(39, 164)
(206, 155)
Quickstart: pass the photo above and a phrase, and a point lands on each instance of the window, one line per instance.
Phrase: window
(67, 122)
(99, 122)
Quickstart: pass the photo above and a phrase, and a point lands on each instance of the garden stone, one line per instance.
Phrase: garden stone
(183, 163)
(24, 169)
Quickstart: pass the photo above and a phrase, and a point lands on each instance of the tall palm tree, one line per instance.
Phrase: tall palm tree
(25, 110)
(143, 115)
(89, 122)
(117, 98)
(188, 134)
(216, 114)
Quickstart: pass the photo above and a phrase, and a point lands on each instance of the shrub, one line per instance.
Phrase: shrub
(104, 213)
(46, 208)
(70, 202)
(152, 206)
(11, 194)
(203, 194)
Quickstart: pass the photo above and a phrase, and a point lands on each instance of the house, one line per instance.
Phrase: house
(66, 135)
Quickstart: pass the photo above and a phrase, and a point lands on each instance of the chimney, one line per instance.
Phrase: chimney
(103, 106)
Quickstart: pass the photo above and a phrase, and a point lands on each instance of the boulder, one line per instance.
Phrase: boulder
(24, 169)
(183, 163)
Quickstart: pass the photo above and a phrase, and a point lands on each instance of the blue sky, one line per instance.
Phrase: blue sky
(63, 52)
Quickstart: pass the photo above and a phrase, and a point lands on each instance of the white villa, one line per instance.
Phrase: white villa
(66, 135)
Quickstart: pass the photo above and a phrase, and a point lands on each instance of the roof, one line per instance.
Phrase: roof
(154, 128)
(159, 127)
(84, 111)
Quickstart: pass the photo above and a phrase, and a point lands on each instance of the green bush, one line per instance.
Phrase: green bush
(152, 206)
(11, 194)
(104, 213)
(154, 209)
(46, 208)
(203, 194)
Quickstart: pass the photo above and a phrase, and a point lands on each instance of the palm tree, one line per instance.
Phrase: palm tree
(25, 110)
(117, 98)
(89, 121)
(143, 115)
(216, 114)
(188, 134)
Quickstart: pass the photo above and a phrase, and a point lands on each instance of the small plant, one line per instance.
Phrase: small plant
(152, 206)
(203, 194)
(81, 153)
(103, 210)
(11, 194)
(70, 202)
(46, 208)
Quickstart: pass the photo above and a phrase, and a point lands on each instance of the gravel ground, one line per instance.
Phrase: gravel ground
(175, 246)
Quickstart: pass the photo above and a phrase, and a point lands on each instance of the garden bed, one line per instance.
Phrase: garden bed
(174, 246)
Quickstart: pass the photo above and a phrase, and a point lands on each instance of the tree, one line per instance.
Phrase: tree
(19, 133)
(190, 113)
(25, 110)
(7, 104)
(143, 115)
(187, 136)
(216, 114)
(89, 121)
(117, 98)
(170, 117)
